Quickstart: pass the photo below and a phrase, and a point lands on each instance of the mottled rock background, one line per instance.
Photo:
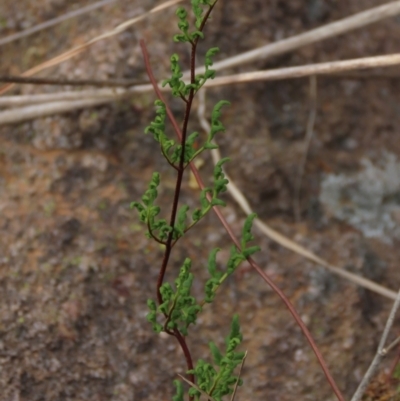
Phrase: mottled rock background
(75, 267)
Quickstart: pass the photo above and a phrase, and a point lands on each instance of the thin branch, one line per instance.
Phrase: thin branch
(331, 67)
(259, 270)
(391, 345)
(278, 237)
(186, 352)
(71, 82)
(100, 94)
(46, 109)
(191, 384)
(380, 353)
(309, 134)
(78, 49)
(330, 30)
(54, 21)
(107, 95)
(240, 372)
(315, 35)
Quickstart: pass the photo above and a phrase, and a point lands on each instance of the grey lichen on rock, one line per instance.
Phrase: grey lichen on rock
(368, 200)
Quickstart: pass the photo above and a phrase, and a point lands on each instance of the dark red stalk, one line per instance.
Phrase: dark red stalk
(259, 270)
(181, 168)
(180, 171)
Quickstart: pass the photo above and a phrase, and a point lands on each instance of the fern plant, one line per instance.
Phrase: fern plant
(175, 309)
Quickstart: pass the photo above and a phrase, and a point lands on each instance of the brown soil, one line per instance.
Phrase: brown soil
(75, 267)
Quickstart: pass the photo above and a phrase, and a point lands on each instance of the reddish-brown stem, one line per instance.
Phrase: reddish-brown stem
(181, 168)
(153, 236)
(178, 185)
(186, 352)
(259, 270)
(180, 171)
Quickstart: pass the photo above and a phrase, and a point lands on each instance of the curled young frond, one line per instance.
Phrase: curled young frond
(183, 23)
(247, 236)
(157, 128)
(216, 124)
(178, 87)
(148, 212)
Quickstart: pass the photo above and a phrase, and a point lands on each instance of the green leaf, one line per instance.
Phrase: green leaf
(235, 258)
(212, 262)
(197, 35)
(250, 251)
(216, 124)
(203, 198)
(217, 202)
(246, 232)
(215, 353)
(180, 225)
(178, 87)
(209, 55)
(148, 211)
(179, 391)
(210, 145)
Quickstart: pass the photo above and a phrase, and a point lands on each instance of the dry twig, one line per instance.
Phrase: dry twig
(272, 49)
(237, 381)
(331, 67)
(191, 384)
(70, 82)
(101, 96)
(276, 74)
(330, 30)
(380, 353)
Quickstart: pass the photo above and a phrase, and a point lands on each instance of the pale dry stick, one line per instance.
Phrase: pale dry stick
(307, 141)
(78, 49)
(119, 83)
(47, 109)
(380, 353)
(54, 21)
(191, 384)
(27, 113)
(331, 67)
(42, 98)
(109, 95)
(392, 345)
(126, 83)
(330, 30)
(237, 243)
(238, 378)
(281, 239)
